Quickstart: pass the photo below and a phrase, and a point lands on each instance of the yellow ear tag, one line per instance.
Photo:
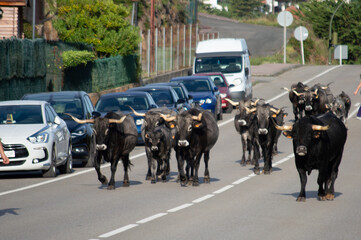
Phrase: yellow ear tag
(171, 125)
(274, 115)
(172, 137)
(197, 125)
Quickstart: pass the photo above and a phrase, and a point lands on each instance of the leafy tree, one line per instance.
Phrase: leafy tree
(245, 8)
(99, 22)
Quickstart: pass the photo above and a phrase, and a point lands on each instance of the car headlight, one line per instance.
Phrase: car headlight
(208, 100)
(79, 132)
(41, 137)
(223, 95)
(237, 81)
(139, 121)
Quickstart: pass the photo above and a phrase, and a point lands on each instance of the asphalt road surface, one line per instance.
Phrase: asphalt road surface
(261, 40)
(236, 204)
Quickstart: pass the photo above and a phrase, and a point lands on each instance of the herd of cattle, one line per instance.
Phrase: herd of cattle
(319, 134)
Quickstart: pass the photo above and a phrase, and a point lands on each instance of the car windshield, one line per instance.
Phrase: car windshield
(218, 81)
(179, 92)
(200, 85)
(162, 97)
(21, 114)
(229, 64)
(122, 103)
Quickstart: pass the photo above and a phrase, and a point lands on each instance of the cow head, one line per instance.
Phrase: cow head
(245, 113)
(186, 123)
(154, 138)
(102, 127)
(304, 133)
(338, 108)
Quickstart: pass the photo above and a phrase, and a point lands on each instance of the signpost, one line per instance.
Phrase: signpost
(284, 19)
(341, 52)
(301, 35)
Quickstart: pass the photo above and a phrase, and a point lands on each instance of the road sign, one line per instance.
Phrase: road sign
(301, 33)
(285, 18)
(341, 52)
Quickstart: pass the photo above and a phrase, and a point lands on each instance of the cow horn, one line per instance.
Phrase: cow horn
(275, 110)
(298, 94)
(250, 110)
(80, 121)
(232, 102)
(315, 92)
(283, 128)
(288, 90)
(136, 113)
(118, 121)
(198, 118)
(167, 117)
(319, 128)
(255, 102)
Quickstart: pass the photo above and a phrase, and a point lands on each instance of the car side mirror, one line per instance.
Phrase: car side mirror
(153, 106)
(190, 97)
(231, 85)
(215, 89)
(57, 120)
(246, 71)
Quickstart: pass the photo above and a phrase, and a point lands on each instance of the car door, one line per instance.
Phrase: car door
(58, 131)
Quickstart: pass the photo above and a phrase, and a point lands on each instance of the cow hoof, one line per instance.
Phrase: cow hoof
(126, 184)
(148, 178)
(301, 199)
(206, 179)
(104, 181)
(266, 172)
(248, 162)
(330, 197)
(111, 187)
(243, 163)
(153, 181)
(195, 184)
(321, 198)
(256, 171)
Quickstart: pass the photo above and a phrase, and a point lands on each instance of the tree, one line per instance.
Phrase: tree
(245, 8)
(98, 22)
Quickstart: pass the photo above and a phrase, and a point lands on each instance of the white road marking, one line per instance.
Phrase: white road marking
(223, 189)
(119, 230)
(241, 180)
(201, 199)
(148, 219)
(176, 209)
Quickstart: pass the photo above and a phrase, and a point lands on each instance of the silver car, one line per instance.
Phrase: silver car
(34, 138)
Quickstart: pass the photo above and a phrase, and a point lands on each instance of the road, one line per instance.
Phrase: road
(236, 204)
(261, 40)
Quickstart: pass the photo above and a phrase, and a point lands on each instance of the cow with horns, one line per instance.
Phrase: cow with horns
(267, 135)
(197, 133)
(244, 122)
(318, 143)
(116, 136)
(158, 132)
(297, 97)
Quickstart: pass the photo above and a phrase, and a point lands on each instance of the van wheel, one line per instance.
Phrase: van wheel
(51, 172)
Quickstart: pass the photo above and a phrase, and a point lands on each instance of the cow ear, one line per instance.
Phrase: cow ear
(146, 135)
(287, 134)
(197, 124)
(170, 124)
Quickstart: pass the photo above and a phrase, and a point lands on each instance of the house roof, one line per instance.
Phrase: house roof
(14, 3)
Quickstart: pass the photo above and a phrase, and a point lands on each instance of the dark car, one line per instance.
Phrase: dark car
(78, 104)
(164, 96)
(221, 82)
(204, 92)
(181, 91)
(120, 101)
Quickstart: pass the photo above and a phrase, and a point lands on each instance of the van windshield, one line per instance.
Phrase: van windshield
(229, 64)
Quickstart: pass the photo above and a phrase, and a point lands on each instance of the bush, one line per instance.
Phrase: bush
(75, 58)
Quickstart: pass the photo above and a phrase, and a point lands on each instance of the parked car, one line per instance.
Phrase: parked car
(222, 84)
(139, 101)
(34, 138)
(204, 92)
(181, 91)
(164, 96)
(78, 104)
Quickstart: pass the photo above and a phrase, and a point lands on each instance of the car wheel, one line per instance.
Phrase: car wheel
(90, 161)
(68, 166)
(51, 172)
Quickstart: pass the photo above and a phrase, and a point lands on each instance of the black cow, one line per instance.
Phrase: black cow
(297, 98)
(158, 132)
(320, 96)
(244, 122)
(318, 143)
(116, 136)
(341, 106)
(267, 135)
(197, 134)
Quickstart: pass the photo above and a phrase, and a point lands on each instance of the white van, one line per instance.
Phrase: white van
(229, 56)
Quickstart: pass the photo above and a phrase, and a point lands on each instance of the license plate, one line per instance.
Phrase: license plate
(9, 153)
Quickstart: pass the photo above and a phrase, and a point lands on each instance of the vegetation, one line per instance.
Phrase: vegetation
(75, 58)
(98, 22)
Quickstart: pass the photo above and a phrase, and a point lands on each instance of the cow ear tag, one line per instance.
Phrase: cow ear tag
(287, 135)
(274, 115)
(172, 125)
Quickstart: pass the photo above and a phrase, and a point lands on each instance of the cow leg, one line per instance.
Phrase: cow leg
(154, 169)
(321, 180)
(256, 157)
(249, 149)
(303, 178)
(268, 159)
(103, 179)
(181, 174)
(126, 165)
(195, 169)
(149, 172)
(207, 179)
(244, 148)
(113, 168)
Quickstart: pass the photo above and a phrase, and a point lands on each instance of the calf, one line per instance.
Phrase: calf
(197, 134)
(116, 136)
(318, 143)
(341, 106)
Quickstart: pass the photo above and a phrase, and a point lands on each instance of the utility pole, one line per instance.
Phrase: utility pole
(151, 35)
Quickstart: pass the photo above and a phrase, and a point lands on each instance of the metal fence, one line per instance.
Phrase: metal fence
(174, 48)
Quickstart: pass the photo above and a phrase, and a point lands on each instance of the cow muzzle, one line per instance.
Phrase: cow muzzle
(242, 122)
(154, 148)
(301, 150)
(308, 108)
(101, 147)
(183, 143)
(263, 131)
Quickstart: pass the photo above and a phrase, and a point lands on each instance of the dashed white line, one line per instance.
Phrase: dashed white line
(148, 219)
(181, 207)
(223, 189)
(201, 199)
(241, 180)
(117, 231)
